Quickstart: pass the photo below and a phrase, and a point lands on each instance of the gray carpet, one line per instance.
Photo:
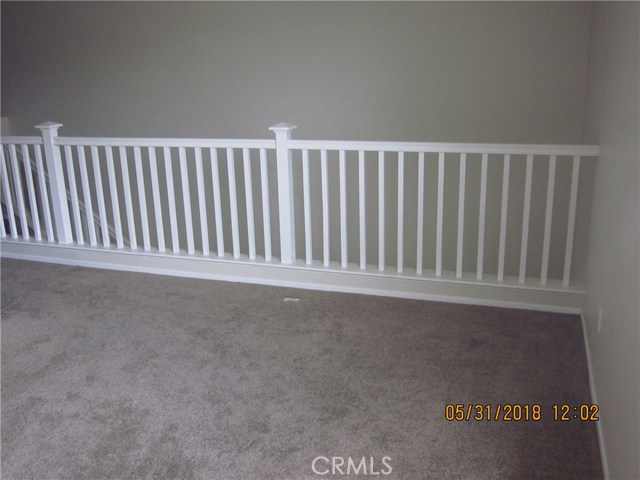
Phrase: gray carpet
(112, 375)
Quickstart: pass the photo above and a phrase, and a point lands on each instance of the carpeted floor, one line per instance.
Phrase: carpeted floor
(113, 375)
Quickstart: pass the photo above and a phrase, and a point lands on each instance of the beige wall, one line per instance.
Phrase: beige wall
(486, 72)
(490, 72)
(613, 267)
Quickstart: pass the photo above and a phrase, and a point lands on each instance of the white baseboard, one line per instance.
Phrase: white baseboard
(594, 398)
(351, 280)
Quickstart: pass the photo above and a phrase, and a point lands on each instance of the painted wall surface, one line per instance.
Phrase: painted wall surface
(460, 72)
(613, 268)
(488, 72)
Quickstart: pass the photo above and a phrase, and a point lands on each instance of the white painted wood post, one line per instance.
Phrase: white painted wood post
(56, 182)
(285, 192)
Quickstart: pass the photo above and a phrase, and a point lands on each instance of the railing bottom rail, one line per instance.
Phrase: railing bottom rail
(509, 293)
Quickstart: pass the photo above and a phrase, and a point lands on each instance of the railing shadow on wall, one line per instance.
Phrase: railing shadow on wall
(477, 223)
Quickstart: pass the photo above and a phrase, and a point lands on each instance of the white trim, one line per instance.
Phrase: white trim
(594, 398)
(164, 142)
(24, 140)
(488, 148)
(352, 280)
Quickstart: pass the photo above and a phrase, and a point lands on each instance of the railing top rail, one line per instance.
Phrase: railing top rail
(21, 140)
(489, 148)
(430, 147)
(167, 142)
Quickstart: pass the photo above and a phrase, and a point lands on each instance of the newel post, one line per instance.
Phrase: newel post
(56, 182)
(285, 192)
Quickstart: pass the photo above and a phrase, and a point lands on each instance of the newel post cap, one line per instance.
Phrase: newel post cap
(282, 127)
(49, 126)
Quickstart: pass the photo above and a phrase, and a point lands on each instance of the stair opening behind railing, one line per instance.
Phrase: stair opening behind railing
(485, 213)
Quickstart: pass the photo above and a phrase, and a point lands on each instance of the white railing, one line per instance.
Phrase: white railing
(446, 154)
(115, 175)
(499, 214)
